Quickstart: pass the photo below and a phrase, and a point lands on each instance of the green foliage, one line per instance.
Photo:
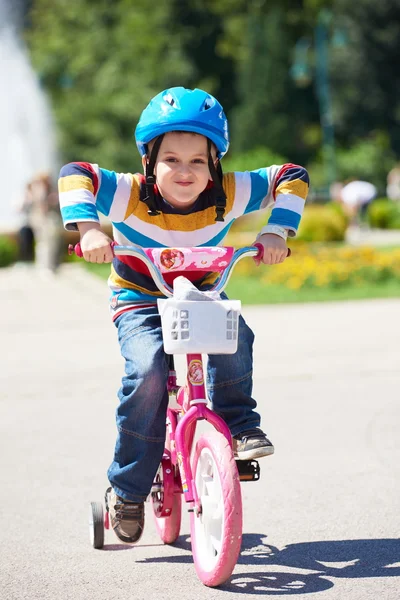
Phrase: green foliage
(271, 110)
(322, 224)
(252, 159)
(364, 70)
(319, 223)
(369, 159)
(8, 251)
(250, 224)
(102, 62)
(259, 118)
(384, 214)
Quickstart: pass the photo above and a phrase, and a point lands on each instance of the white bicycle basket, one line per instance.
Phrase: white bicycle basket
(196, 327)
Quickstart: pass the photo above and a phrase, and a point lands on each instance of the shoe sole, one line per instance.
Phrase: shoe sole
(129, 543)
(255, 453)
(127, 540)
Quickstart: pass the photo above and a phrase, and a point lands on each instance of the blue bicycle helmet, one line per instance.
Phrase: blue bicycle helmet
(181, 109)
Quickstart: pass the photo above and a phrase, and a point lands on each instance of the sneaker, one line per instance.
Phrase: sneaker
(127, 518)
(252, 444)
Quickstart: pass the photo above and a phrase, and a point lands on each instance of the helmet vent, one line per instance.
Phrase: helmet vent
(169, 99)
(209, 103)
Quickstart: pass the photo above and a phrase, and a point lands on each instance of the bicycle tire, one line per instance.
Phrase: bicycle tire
(168, 528)
(216, 533)
(96, 525)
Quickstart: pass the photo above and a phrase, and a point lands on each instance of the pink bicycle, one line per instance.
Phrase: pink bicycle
(205, 472)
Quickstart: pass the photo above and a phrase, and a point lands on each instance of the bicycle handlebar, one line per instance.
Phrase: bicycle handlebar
(257, 251)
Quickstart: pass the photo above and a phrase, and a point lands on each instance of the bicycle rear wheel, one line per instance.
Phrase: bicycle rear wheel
(167, 504)
(216, 532)
(168, 528)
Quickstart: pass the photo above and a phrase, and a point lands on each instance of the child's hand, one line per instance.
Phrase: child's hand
(95, 244)
(275, 249)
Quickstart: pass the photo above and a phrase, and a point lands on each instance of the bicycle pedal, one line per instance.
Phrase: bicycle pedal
(249, 470)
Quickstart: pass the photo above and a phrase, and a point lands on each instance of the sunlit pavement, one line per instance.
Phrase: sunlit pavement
(323, 518)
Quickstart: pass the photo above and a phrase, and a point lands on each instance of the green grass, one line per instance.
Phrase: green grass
(102, 270)
(252, 291)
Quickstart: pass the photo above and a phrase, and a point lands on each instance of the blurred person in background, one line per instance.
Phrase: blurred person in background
(26, 237)
(393, 183)
(355, 197)
(42, 206)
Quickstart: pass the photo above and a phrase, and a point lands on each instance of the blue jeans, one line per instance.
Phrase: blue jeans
(143, 398)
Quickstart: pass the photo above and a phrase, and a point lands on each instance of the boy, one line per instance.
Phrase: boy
(182, 200)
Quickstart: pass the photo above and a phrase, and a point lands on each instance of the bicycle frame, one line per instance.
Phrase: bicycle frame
(192, 398)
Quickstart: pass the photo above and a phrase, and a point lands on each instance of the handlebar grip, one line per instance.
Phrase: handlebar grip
(78, 250)
(75, 250)
(258, 257)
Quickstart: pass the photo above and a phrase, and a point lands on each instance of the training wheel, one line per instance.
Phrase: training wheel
(96, 525)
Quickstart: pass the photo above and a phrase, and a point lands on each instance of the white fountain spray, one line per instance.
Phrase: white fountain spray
(26, 129)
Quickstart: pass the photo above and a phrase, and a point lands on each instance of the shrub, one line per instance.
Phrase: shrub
(384, 214)
(8, 251)
(252, 222)
(322, 224)
(369, 159)
(328, 266)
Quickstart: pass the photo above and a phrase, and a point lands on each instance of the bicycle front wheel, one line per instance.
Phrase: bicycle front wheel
(216, 532)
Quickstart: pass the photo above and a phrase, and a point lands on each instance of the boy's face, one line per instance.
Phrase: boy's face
(182, 167)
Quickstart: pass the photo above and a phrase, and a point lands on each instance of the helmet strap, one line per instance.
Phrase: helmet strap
(151, 179)
(217, 175)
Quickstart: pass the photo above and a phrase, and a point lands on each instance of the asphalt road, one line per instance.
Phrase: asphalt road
(324, 518)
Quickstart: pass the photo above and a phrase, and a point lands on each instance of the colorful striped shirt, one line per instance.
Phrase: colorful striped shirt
(85, 190)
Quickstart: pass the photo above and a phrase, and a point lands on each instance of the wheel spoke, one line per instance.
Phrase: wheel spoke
(215, 533)
(210, 522)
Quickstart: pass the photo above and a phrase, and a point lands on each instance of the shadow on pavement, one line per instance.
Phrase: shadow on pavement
(337, 558)
(350, 559)
(117, 547)
(275, 582)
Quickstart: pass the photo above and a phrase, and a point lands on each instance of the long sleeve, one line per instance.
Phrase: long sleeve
(283, 188)
(78, 185)
(85, 190)
(290, 192)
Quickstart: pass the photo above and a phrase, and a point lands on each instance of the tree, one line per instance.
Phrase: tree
(270, 110)
(365, 71)
(201, 32)
(101, 63)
